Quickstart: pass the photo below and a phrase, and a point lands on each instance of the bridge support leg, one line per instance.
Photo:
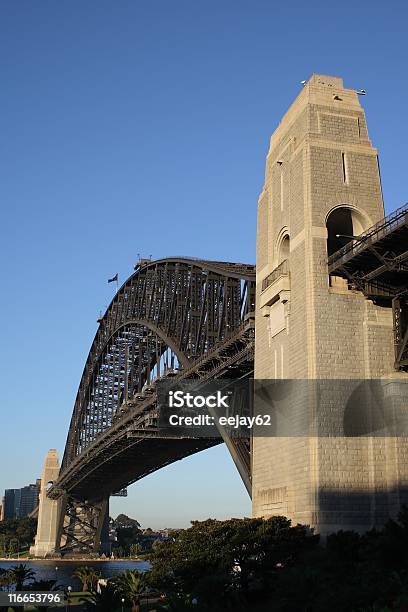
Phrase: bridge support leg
(81, 525)
(46, 537)
(400, 317)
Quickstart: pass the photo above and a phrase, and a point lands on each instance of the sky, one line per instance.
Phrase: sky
(138, 127)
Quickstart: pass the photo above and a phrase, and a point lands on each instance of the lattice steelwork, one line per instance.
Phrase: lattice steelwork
(168, 314)
(376, 263)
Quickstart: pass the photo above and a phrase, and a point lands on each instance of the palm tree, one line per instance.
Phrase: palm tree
(21, 574)
(88, 576)
(131, 585)
(105, 601)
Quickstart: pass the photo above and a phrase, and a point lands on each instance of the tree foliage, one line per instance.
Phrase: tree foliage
(122, 520)
(131, 585)
(89, 577)
(223, 561)
(20, 575)
(256, 564)
(126, 537)
(259, 565)
(17, 534)
(106, 600)
(135, 549)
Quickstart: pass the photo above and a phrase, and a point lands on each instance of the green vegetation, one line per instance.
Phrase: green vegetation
(128, 536)
(227, 564)
(104, 601)
(122, 520)
(20, 575)
(16, 535)
(131, 585)
(131, 541)
(254, 565)
(135, 549)
(88, 576)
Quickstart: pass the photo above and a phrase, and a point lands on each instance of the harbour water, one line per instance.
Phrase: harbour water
(62, 571)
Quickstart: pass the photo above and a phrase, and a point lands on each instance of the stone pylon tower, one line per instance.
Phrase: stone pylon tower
(322, 179)
(48, 509)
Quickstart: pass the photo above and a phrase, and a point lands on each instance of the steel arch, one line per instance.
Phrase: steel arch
(182, 305)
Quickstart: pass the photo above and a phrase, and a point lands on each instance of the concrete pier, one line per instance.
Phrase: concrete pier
(45, 540)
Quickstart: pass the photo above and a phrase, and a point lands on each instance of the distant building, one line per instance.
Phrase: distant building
(29, 498)
(20, 502)
(1, 511)
(11, 503)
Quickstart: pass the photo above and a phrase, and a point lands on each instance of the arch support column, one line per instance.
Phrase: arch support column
(46, 537)
(82, 526)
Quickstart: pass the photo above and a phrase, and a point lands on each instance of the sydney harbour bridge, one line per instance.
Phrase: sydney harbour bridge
(175, 318)
(181, 319)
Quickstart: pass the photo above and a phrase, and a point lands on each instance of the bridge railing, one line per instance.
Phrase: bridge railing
(378, 230)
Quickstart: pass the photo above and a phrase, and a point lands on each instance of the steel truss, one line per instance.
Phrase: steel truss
(376, 263)
(186, 306)
(176, 317)
(80, 525)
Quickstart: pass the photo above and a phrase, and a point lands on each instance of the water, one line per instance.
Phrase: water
(45, 570)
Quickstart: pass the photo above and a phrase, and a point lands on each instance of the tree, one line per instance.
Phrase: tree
(122, 520)
(104, 601)
(21, 574)
(3, 545)
(118, 551)
(88, 576)
(126, 536)
(20, 530)
(227, 560)
(135, 549)
(14, 546)
(131, 585)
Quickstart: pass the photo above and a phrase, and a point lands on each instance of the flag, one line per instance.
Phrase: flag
(113, 279)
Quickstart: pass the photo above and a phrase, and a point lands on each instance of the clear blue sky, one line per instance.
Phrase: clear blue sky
(142, 127)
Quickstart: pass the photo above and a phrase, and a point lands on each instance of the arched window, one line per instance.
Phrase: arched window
(284, 249)
(344, 222)
(275, 297)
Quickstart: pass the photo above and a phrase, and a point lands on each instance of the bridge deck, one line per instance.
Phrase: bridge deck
(376, 263)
